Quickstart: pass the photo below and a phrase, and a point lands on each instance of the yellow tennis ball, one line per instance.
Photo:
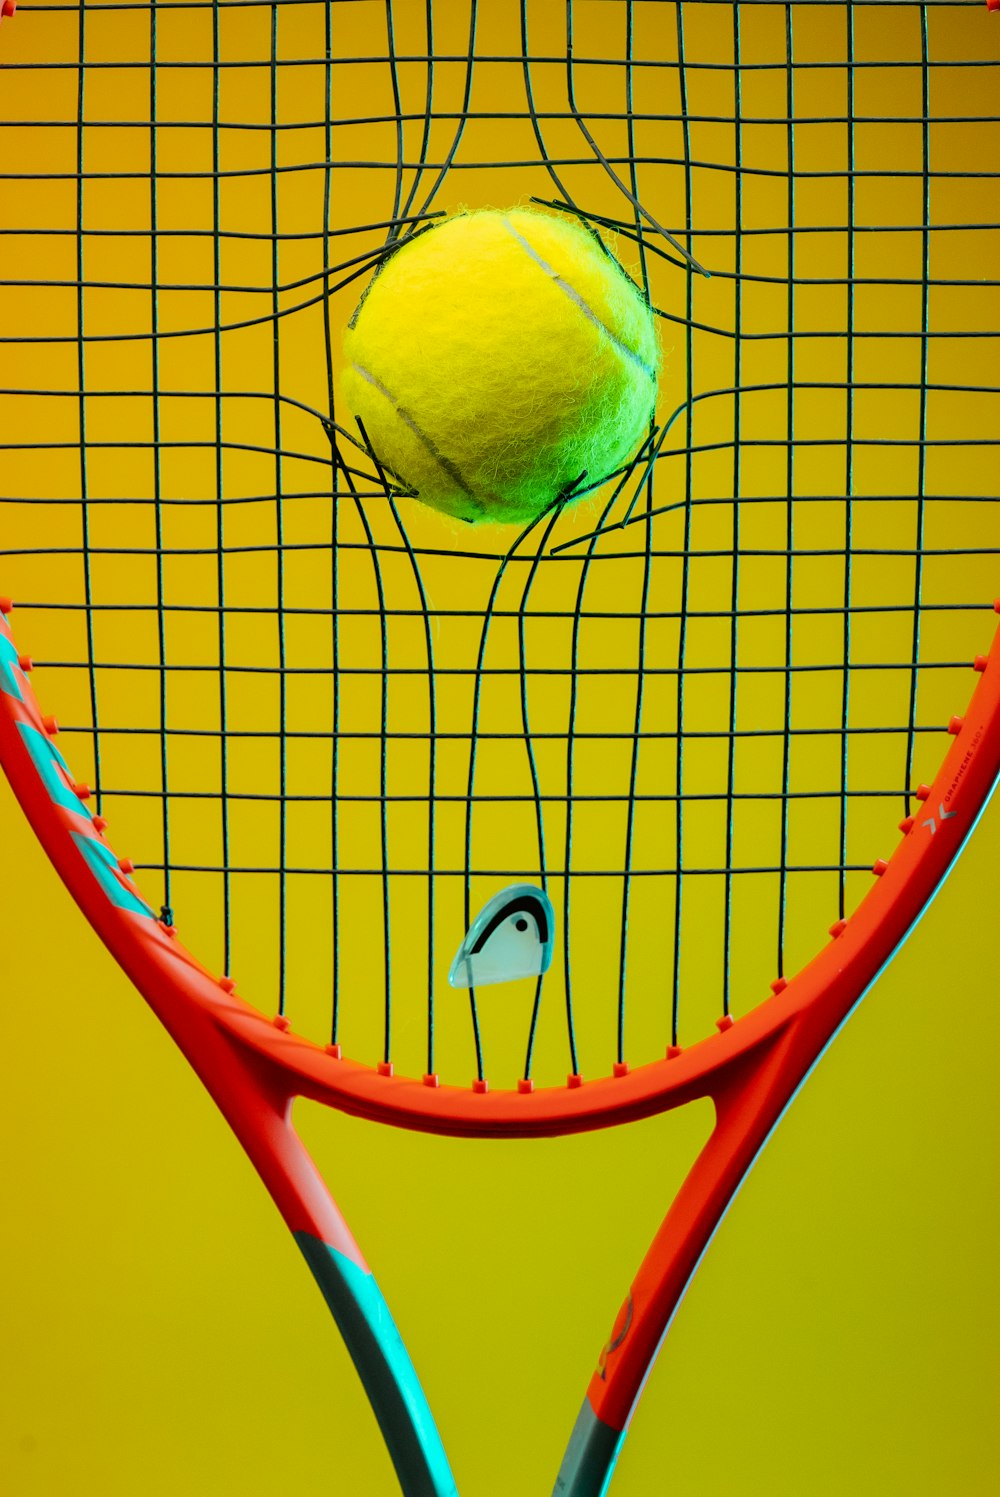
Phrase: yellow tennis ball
(497, 359)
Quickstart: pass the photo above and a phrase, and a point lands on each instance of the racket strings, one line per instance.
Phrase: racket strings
(693, 710)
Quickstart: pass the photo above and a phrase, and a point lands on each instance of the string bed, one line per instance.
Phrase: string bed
(328, 725)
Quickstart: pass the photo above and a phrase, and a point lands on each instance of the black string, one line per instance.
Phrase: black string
(925, 251)
(220, 508)
(334, 633)
(685, 579)
(790, 477)
(537, 795)
(846, 651)
(277, 376)
(734, 655)
(85, 546)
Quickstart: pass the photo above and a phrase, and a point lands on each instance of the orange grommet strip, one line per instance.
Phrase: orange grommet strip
(726, 1022)
(980, 663)
(384, 1067)
(6, 604)
(620, 1068)
(431, 1078)
(673, 1051)
(227, 984)
(779, 985)
(922, 791)
(50, 725)
(280, 1022)
(525, 1085)
(126, 865)
(879, 866)
(333, 1051)
(906, 824)
(837, 928)
(26, 663)
(98, 823)
(7, 8)
(956, 724)
(81, 790)
(574, 1079)
(480, 1086)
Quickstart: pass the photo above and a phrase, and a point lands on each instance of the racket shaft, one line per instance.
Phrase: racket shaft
(385, 1369)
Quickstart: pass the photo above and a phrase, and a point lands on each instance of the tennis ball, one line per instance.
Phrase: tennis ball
(496, 359)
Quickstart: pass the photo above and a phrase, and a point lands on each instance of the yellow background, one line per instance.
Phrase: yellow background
(161, 1333)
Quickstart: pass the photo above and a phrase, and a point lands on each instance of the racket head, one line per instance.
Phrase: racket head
(478, 686)
(812, 1004)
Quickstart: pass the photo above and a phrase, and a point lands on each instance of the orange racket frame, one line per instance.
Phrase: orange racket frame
(254, 1067)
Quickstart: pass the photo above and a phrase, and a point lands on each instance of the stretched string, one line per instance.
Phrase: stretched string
(688, 703)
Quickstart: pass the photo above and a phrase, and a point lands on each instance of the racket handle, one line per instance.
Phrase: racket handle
(590, 1456)
(383, 1364)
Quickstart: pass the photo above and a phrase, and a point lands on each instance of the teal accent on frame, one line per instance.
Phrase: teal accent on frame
(385, 1369)
(103, 865)
(9, 669)
(49, 761)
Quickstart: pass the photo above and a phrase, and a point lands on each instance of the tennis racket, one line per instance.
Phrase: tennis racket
(685, 760)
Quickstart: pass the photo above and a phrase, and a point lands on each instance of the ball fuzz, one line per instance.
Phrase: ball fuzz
(496, 360)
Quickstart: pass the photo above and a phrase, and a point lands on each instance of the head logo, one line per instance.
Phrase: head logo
(930, 824)
(621, 1328)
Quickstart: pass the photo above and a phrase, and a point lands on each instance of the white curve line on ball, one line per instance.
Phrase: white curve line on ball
(449, 467)
(585, 308)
